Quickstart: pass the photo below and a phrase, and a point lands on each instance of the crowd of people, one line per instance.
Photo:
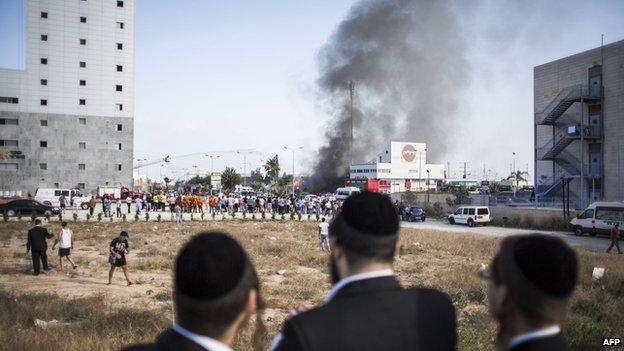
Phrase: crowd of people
(217, 290)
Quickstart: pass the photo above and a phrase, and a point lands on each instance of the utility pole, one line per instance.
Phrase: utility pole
(428, 187)
(513, 172)
(244, 165)
(351, 92)
(292, 149)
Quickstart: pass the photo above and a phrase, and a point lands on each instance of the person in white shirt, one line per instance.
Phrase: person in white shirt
(66, 244)
(216, 291)
(530, 283)
(324, 235)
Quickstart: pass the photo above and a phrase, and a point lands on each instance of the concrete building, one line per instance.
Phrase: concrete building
(66, 120)
(579, 127)
(400, 166)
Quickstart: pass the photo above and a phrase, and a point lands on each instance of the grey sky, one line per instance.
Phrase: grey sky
(234, 75)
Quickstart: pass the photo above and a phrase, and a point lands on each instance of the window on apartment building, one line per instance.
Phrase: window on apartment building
(43, 102)
(120, 25)
(82, 145)
(44, 82)
(119, 3)
(9, 121)
(82, 102)
(83, 20)
(44, 37)
(119, 68)
(43, 166)
(83, 64)
(44, 14)
(119, 146)
(82, 120)
(119, 46)
(118, 87)
(119, 127)
(83, 41)
(119, 107)
(82, 167)
(118, 167)
(83, 82)
(43, 122)
(44, 61)
(43, 143)
(9, 100)
(9, 143)
(81, 185)
(8, 167)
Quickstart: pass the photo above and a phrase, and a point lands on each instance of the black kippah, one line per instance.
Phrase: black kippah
(548, 263)
(209, 266)
(371, 213)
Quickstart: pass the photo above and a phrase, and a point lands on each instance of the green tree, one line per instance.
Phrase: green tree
(256, 179)
(518, 176)
(229, 179)
(272, 169)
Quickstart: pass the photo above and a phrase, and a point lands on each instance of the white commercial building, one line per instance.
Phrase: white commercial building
(66, 117)
(401, 166)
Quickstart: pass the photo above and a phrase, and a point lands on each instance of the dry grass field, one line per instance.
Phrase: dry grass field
(94, 316)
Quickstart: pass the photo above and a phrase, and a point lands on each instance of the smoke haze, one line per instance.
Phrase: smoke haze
(408, 62)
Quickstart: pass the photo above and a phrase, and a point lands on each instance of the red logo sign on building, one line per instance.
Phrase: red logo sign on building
(408, 153)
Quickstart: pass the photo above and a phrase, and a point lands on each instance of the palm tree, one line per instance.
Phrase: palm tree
(272, 169)
(230, 179)
(518, 176)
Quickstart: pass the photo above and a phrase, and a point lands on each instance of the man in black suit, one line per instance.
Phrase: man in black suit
(38, 245)
(216, 290)
(530, 283)
(367, 309)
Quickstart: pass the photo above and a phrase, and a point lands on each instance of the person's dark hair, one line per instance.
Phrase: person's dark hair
(124, 234)
(617, 225)
(63, 224)
(213, 278)
(37, 221)
(366, 228)
(540, 273)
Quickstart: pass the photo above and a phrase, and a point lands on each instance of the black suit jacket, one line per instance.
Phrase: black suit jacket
(37, 239)
(551, 343)
(169, 340)
(375, 314)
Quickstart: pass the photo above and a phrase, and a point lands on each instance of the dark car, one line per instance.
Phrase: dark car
(26, 207)
(413, 214)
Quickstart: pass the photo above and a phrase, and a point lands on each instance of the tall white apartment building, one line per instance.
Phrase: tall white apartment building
(66, 120)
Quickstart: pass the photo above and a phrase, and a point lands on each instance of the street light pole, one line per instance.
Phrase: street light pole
(513, 170)
(427, 186)
(293, 166)
(212, 162)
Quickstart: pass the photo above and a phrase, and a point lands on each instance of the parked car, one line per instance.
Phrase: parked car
(414, 213)
(26, 207)
(598, 218)
(345, 192)
(470, 215)
(50, 197)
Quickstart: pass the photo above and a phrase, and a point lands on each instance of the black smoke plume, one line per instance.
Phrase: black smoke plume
(407, 60)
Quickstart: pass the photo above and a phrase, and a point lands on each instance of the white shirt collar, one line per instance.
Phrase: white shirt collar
(357, 277)
(209, 344)
(532, 335)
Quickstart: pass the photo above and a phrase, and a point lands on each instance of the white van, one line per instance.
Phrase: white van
(343, 193)
(73, 197)
(598, 218)
(470, 215)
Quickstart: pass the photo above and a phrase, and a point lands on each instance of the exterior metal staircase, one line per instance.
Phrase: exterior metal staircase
(550, 153)
(560, 104)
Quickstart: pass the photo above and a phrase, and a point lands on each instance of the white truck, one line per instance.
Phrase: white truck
(598, 218)
(115, 192)
(73, 197)
(470, 215)
(343, 193)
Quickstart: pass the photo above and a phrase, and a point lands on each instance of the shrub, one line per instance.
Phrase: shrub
(33, 216)
(263, 215)
(88, 217)
(5, 216)
(110, 219)
(123, 217)
(158, 218)
(99, 217)
(136, 217)
(146, 216)
(202, 216)
(253, 216)
(75, 216)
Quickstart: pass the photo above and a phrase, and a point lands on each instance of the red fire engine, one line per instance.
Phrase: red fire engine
(369, 184)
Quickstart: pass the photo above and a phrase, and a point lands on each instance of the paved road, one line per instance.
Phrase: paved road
(597, 243)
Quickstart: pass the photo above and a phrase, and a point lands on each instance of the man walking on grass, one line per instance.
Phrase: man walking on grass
(615, 238)
(324, 235)
(38, 246)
